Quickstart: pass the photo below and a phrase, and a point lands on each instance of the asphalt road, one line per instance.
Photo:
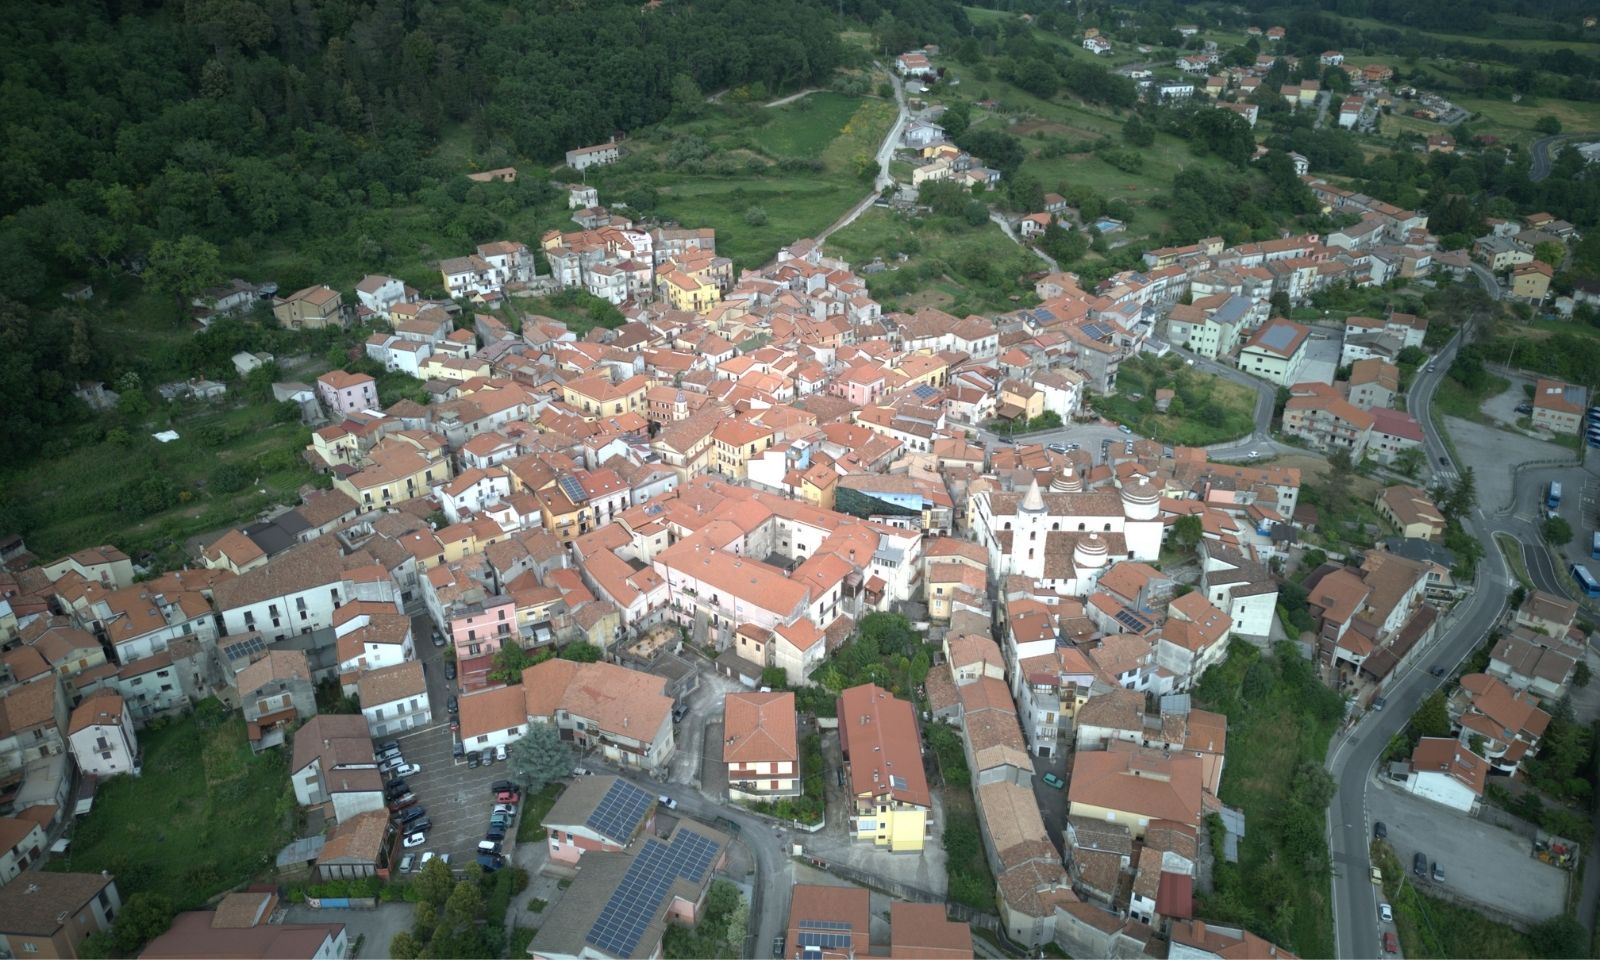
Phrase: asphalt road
(1260, 440)
(1355, 753)
(1490, 284)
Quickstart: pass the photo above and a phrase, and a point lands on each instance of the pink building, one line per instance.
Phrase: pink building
(480, 628)
(574, 829)
(861, 384)
(342, 392)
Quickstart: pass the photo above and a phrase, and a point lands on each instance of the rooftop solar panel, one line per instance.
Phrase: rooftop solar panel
(619, 811)
(828, 941)
(573, 489)
(1278, 337)
(637, 898)
(823, 924)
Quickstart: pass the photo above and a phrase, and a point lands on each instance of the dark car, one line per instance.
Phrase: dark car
(1444, 461)
(473, 760)
(418, 826)
(1437, 671)
(1419, 864)
(1379, 830)
(457, 750)
(415, 813)
(500, 785)
(490, 862)
(401, 802)
(453, 705)
(396, 788)
(495, 833)
(449, 671)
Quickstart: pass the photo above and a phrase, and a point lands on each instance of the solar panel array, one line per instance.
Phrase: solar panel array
(897, 782)
(1133, 621)
(573, 489)
(619, 811)
(831, 939)
(638, 897)
(249, 646)
(1096, 331)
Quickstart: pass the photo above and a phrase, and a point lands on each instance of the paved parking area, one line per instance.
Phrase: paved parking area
(1481, 862)
(376, 927)
(457, 797)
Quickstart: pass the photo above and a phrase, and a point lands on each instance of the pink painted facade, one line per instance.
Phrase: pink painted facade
(342, 393)
(569, 848)
(481, 628)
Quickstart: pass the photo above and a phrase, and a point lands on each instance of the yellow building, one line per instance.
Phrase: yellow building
(818, 486)
(595, 396)
(881, 746)
(685, 292)
(735, 442)
(1020, 400)
(397, 470)
(1531, 281)
(924, 367)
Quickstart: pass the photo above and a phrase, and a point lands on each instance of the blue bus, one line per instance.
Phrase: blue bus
(1594, 546)
(1552, 497)
(1586, 581)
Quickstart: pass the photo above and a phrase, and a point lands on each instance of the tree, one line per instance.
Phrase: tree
(144, 917)
(582, 652)
(182, 268)
(540, 757)
(755, 216)
(1186, 533)
(1550, 252)
(434, 882)
(1137, 133)
(775, 677)
(1432, 718)
(404, 946)
(1556, 531)
(1559, 936)
(1409, 461)
(1548, 124)
(1581, 675)
(687, 100)
(509, 662)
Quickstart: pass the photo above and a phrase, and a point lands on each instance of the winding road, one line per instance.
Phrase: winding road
(1539, 158)
(885, 157)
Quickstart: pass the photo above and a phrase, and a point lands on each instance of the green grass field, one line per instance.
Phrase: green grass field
(73, 498)
(1454, 400)
(1284, 722)
(1206, 410)
(951, 266)
(205, 815)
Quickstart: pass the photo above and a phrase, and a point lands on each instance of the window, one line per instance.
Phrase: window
(30, 948)
(483, 739)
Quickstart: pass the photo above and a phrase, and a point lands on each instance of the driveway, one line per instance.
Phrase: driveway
(1481, 862)
(375, 927)
(457, 797)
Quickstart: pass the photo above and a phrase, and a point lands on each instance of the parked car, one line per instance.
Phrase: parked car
(508, 796)
(487, 756)
(1385, 913)
(678, 713)
(415, 840)
(413, 814)
(392, 764)
(495, 833)
(438, 639)
(490, 862)
(841, 776)
(1390, 944)
(1437, 670)
(457, 751)
(430, 855)
(452, 705)
(396, 787)
(1438, 872)
(1053, 782)
(1377, 877)
(1379, 702)
(401, 802)
(499, 822)
(473, 760)
(582, 772)
(408, 863)
(500, 753)
(410, 769)
(1056, 447)
(501, 785)
(1123, 428)
(507, 808)
(449, 671)
(1379, 830)
(393, 746)
(667, 802)
(420, 826)
(488, 846)
(1419, 864)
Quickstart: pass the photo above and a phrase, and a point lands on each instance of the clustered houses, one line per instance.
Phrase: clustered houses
(1371, 618)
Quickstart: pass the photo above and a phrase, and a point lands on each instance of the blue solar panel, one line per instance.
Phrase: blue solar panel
(829, 941)
(1278, 337)
(618, 813)
(1133, 621)
(635, 902)
(1096, 331)
(823, 925)
(573, 489)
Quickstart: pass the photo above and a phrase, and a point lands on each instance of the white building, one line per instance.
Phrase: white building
(299, 591)
(394, 699)
(380, 294)
(1276, 351)
(1239, 587)
(1065, 538)
(100, 735)
(582, 158)
(1445, 771)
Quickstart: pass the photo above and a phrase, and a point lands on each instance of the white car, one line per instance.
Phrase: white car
(500, 753)
(667, 802)
(430, 855)
(416, 840)
(510, 808)
(408, 770)
(1385, 913)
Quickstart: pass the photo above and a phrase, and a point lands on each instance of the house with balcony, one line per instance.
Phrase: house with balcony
(890, 803)
(394, 699)
(101, 736)
(623, 714)
(1499, 724)
(760, 746)
(49, 914)
(1446, 771)
(276, 692)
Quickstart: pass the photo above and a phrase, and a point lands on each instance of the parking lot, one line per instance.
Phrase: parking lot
(457, 797)
(1481, 862)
